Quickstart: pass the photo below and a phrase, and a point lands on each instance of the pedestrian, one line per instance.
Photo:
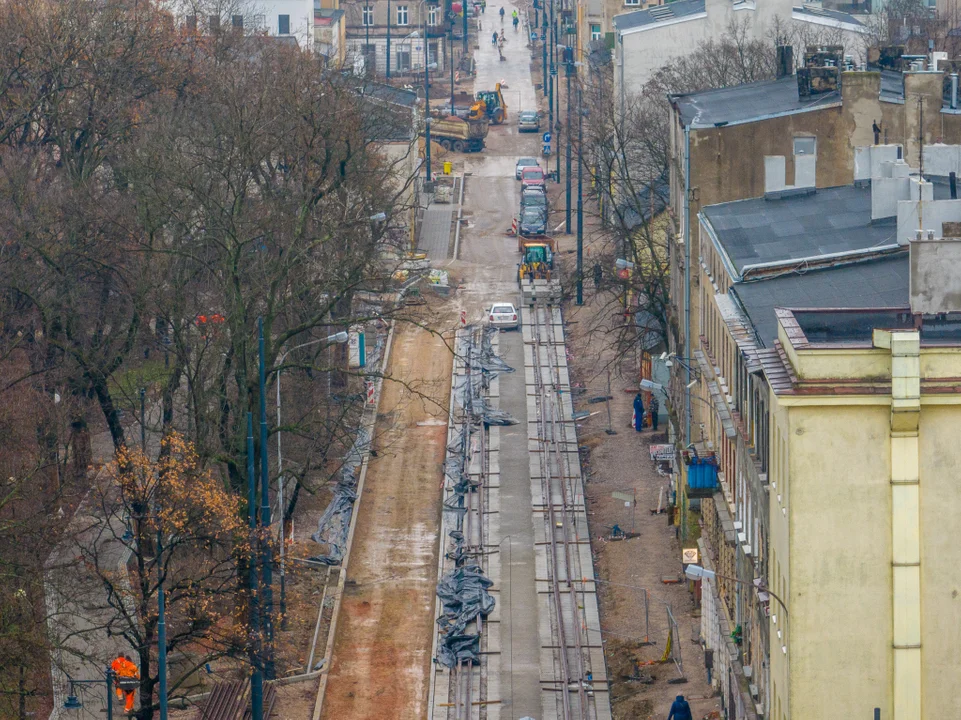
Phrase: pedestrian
(494, 38)
(502, 14)
(877, 132)
(483, 7)
(680, 710)
(653, 408)
(514, 14)
(637, 419)
(598, 275)
(516, 22)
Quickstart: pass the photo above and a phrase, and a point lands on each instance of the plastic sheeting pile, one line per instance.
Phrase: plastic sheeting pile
(334, 524)
(463, 590)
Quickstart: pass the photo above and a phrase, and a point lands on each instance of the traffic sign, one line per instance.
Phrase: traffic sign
(547, 137)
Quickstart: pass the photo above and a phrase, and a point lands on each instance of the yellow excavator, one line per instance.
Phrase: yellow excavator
(537, 260)
(494, 105)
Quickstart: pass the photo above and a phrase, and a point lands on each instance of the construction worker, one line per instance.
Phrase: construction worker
(128, 681)
(116, 666)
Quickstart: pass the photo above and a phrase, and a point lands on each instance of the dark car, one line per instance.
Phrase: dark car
(533, 221)
(533, 197)
(528, 121)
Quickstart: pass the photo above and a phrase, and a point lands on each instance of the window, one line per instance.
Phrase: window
(805, 145)
(402, 17)
(283, 24)
(432, 15)
(237, 22)
(213, 23)
(632, 2)
(368, 15)
(190, 22)
(595, 31)
(432, 53)
(403, 60)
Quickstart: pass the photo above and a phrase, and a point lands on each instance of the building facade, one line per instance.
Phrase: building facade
(646, 40)
(386, 37)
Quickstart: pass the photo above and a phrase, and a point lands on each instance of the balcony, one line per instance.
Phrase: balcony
(702, 479)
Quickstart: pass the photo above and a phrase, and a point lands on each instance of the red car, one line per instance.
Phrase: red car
(532, 176)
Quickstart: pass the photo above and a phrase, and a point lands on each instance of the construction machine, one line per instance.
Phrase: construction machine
(536, 269)
(454, 133)
(495, 107)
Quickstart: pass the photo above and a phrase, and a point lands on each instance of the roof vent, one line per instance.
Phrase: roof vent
(661, 12)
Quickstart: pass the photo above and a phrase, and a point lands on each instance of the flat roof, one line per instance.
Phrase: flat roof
(660, 13)
(743, 103)
(874, 283)
(836, 15)
(826, 222)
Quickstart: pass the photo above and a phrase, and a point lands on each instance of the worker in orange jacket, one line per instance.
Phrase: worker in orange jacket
(116, 666)
(128, 677)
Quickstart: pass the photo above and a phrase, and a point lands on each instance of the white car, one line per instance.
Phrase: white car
(503, 315)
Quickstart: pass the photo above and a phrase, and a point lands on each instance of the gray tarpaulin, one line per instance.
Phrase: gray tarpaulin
(463, 590)
(463, 593)
(335, 522)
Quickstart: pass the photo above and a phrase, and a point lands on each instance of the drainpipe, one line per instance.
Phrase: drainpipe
(905, 347)
(687, 306)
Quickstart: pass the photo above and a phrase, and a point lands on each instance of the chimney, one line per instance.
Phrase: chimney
(785, 61)
(817, 80)
(935, 284)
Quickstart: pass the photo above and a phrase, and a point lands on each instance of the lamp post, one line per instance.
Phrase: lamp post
(388, 42)
(544, 43)
(427, 89)
(580, 199)
(569, 52)
(450, 52)
(256, 676)
(340, 337)
(73, 702)
(697, 572)
(366, 38)
(267, 573)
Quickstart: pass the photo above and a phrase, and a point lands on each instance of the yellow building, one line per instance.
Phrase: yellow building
(829, 364)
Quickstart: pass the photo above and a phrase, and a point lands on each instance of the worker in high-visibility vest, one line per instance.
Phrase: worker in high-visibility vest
(128, 680)
(116, 666)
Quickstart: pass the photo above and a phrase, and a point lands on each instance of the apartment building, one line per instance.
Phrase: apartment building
(387, 37)
(646, 40)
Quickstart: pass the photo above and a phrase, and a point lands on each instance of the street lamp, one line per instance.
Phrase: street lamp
(580, 198)
(340, 337)
(73, 701)
(697, 572)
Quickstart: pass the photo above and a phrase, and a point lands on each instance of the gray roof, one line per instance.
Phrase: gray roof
(832, 220)
(876, 283)
(680, 8)
(654, 15)
(825, 13)
(753, 101)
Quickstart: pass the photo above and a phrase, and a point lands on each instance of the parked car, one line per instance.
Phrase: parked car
(533, 221)
(528, 121)
(524, 162)
(533, 196)
(532, 176)
(503, 315)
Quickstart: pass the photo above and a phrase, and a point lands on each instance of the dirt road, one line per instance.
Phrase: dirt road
(381, 658)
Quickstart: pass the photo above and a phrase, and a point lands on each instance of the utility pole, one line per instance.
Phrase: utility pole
(256, 676)
(450, 48)
(427, 97)
(580, 199)
(367, 40)
(544, 45)
(570, 71)
(463, 9)
(266, 549)
(388, 42)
